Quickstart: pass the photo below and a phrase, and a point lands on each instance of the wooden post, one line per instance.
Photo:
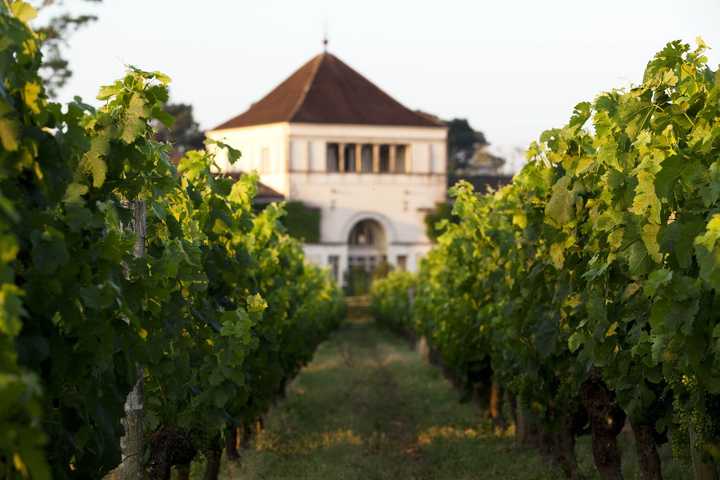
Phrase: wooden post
(646, 447)
(341, 157)
(701, 469)
(376, 158)
(132, 467)
(404, 167)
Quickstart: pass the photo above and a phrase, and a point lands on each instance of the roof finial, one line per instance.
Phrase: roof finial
(325, 37)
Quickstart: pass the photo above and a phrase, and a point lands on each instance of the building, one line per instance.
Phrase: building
(330, 138)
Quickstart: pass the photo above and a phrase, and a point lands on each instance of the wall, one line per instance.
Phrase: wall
(251, 141)
(400, 199)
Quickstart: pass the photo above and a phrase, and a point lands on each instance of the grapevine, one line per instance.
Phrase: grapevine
(589, 283)
(220, 312)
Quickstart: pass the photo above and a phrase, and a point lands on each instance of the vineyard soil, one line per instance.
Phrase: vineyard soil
(368, 407)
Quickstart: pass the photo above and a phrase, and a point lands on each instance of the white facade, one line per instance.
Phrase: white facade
(292, 158)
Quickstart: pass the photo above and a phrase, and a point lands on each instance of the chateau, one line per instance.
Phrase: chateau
(331, 139)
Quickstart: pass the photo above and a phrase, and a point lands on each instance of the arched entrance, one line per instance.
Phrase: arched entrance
(367, 249)
(367, 245)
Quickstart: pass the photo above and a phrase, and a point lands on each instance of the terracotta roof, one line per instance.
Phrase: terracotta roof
(326, 90)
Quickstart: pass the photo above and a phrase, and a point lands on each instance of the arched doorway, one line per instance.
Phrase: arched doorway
(367, 249)
(367, 245)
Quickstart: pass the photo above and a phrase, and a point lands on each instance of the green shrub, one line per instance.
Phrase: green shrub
(390, 301)
(302, 222)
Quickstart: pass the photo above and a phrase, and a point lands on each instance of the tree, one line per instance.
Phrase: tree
(442, 211)
(61, 24)
(184, 134)
(462, 141)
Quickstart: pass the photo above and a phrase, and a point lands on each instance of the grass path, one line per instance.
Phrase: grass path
(368, 407)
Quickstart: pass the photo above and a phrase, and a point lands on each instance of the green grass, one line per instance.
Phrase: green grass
(368, 407)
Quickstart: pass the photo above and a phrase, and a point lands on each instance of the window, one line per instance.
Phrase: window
(333, 157)
(364, 233)
(349, 157)
(402, 262)
(431, 153)
(400, 153)
(298, 159)
(366, 165)
(358, 262)
(310, 165)
(334, 262)
(372, 262)
(265, 164)
(384, 158)
(373, 158)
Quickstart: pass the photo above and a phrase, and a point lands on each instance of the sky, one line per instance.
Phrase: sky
(513, 68)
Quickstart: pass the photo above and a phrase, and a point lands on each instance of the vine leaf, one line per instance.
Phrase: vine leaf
(708, 253)
(9, 133)
(135, 116)
(649, 238)
(561, 206)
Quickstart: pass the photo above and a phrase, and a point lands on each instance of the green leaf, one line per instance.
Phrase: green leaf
(31, 94)
(575, 341)
(561, 207)
(93, 162)
(658, 347)
(646, 202)
(612, 329)
(11, 309)
(162, 78)
(650, 239)
(615, 239)
(78, 217)
(657, 279)
(243, 191)
(638, 260)
(135, 123)
(74, 193)
(8, 248)
(557, 254)
(630, 290)
(670, 316)
(164, 117)
(596, 308)
(711, 191)
(708, 253)
(678, 238)
(109, 91)
(49, 251)
(667, 178)
(545, 335)
(520, 219)
(23, 11)
(7, 207)
(256, 303)
(233, 154)
(9, 133)
(220, 398)
(237, 324)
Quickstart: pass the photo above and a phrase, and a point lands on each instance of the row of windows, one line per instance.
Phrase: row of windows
(367, 263)
(308, 156)
(366, 158)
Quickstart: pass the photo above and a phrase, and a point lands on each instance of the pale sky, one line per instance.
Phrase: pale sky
(512, 67)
